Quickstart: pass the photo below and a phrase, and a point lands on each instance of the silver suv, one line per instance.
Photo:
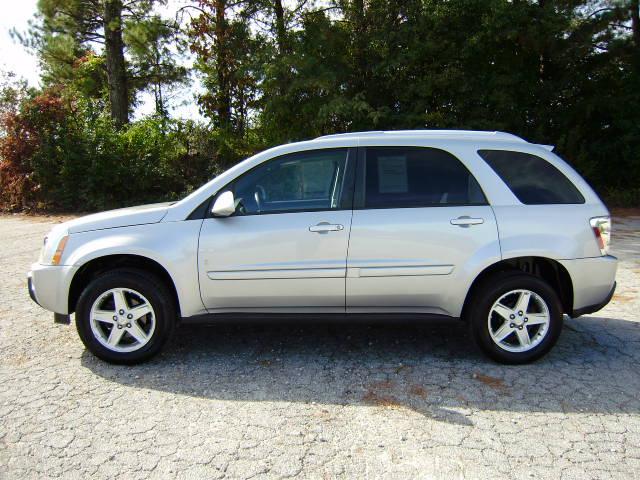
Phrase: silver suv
(479, 226)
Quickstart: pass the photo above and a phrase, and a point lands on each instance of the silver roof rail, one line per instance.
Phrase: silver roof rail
(431, 134)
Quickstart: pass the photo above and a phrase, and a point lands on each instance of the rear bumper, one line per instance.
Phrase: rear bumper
(49, 286)
(594, 308)
(594, 281)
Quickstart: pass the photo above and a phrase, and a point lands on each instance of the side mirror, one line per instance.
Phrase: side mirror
(224, 205)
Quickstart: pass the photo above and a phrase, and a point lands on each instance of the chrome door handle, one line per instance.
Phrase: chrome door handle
(324, 227)
(466, 221)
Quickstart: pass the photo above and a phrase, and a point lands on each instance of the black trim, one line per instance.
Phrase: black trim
(201, 211)
(359, 195)
(62, 318)
(32, 292)
(302, 318)
(594, 308)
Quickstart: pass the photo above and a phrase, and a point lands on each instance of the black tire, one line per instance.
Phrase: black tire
(155, 291)
(493, 289)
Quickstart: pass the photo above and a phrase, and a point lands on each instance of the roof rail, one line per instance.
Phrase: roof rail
(430, 134)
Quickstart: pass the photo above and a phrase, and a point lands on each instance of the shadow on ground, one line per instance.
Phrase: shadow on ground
(432, 369)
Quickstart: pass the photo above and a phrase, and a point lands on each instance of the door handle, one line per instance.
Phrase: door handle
(324, 227)
(466, 221)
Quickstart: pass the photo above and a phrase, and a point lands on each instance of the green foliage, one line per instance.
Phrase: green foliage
(75, 160)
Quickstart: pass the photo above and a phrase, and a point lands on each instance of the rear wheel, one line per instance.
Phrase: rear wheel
(515, 318)
(125, 316)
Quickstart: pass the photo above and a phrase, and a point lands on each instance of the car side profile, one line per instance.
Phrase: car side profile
(479, 226)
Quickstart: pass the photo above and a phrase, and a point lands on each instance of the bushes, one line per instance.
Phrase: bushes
(57, 154)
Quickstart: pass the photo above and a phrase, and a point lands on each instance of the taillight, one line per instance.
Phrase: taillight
(601, 227)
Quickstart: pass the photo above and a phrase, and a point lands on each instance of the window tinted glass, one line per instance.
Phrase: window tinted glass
(417, 177)
(532, 179)
(301, 181)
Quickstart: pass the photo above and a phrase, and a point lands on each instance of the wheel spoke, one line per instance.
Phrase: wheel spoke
(140, 311)
(523, 337)
(537, 318)
(115, 336)
(136, 332)
(503, 332)
(104, 316)
(503, 311)
(120, 300)
(523, 302)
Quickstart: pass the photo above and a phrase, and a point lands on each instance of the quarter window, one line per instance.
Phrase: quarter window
(298, 182)
(417, 177)
(533, 180)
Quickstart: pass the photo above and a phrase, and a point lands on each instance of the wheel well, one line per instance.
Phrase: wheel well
(549, 270)
(100, 265)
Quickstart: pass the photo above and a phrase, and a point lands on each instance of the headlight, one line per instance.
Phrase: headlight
(53, 248)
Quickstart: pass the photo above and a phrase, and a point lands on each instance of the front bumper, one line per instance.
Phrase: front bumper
(49, 287)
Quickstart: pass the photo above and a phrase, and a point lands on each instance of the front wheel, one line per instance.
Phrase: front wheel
(515, 318)
(125, 316)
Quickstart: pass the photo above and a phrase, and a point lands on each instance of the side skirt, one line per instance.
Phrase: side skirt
(317, 318)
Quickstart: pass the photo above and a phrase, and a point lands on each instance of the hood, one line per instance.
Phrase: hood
(122, 217)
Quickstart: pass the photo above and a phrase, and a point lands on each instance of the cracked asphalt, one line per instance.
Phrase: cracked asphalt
(317, 401)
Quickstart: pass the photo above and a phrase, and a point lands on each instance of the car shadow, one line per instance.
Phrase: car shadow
(432, 369)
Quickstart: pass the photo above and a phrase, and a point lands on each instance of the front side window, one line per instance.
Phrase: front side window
(303, 181)
(533, 180)
(401, 177)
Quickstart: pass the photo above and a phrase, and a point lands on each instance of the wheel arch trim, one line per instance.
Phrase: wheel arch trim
(550, 270)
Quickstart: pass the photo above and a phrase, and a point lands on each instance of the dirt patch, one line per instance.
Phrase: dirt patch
(622, 298)
(493, 382)
(379, 394)
(374, 398)
(418, 391)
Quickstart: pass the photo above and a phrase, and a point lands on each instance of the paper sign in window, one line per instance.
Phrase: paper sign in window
(392, 174)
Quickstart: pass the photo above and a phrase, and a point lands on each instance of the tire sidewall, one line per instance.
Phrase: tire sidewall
(491, 291)
(152, 289)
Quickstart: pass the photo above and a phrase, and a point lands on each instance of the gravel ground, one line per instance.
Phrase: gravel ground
(317, 401)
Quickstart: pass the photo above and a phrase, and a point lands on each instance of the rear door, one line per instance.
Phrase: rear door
(421, 227)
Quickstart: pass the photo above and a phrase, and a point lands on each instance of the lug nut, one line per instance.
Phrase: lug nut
(115, 318)
(512, 316)
(512, 325)
(526, 319)
(119, 326)
(520, 313)
(129, 316)
(520, 327)
(128, 325)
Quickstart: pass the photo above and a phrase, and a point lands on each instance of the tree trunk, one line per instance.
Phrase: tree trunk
(223, 102)
(281, 29)
(114, 57)
(635, 22)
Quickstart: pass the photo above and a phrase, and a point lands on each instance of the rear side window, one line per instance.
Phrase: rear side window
(401, 177)
(533, 180)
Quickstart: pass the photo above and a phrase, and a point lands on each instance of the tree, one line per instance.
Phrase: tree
(153, 44)
(114, 59)
(71, 31)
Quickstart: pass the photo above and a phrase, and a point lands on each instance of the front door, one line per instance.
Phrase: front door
(285, 248)
(420, 225)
